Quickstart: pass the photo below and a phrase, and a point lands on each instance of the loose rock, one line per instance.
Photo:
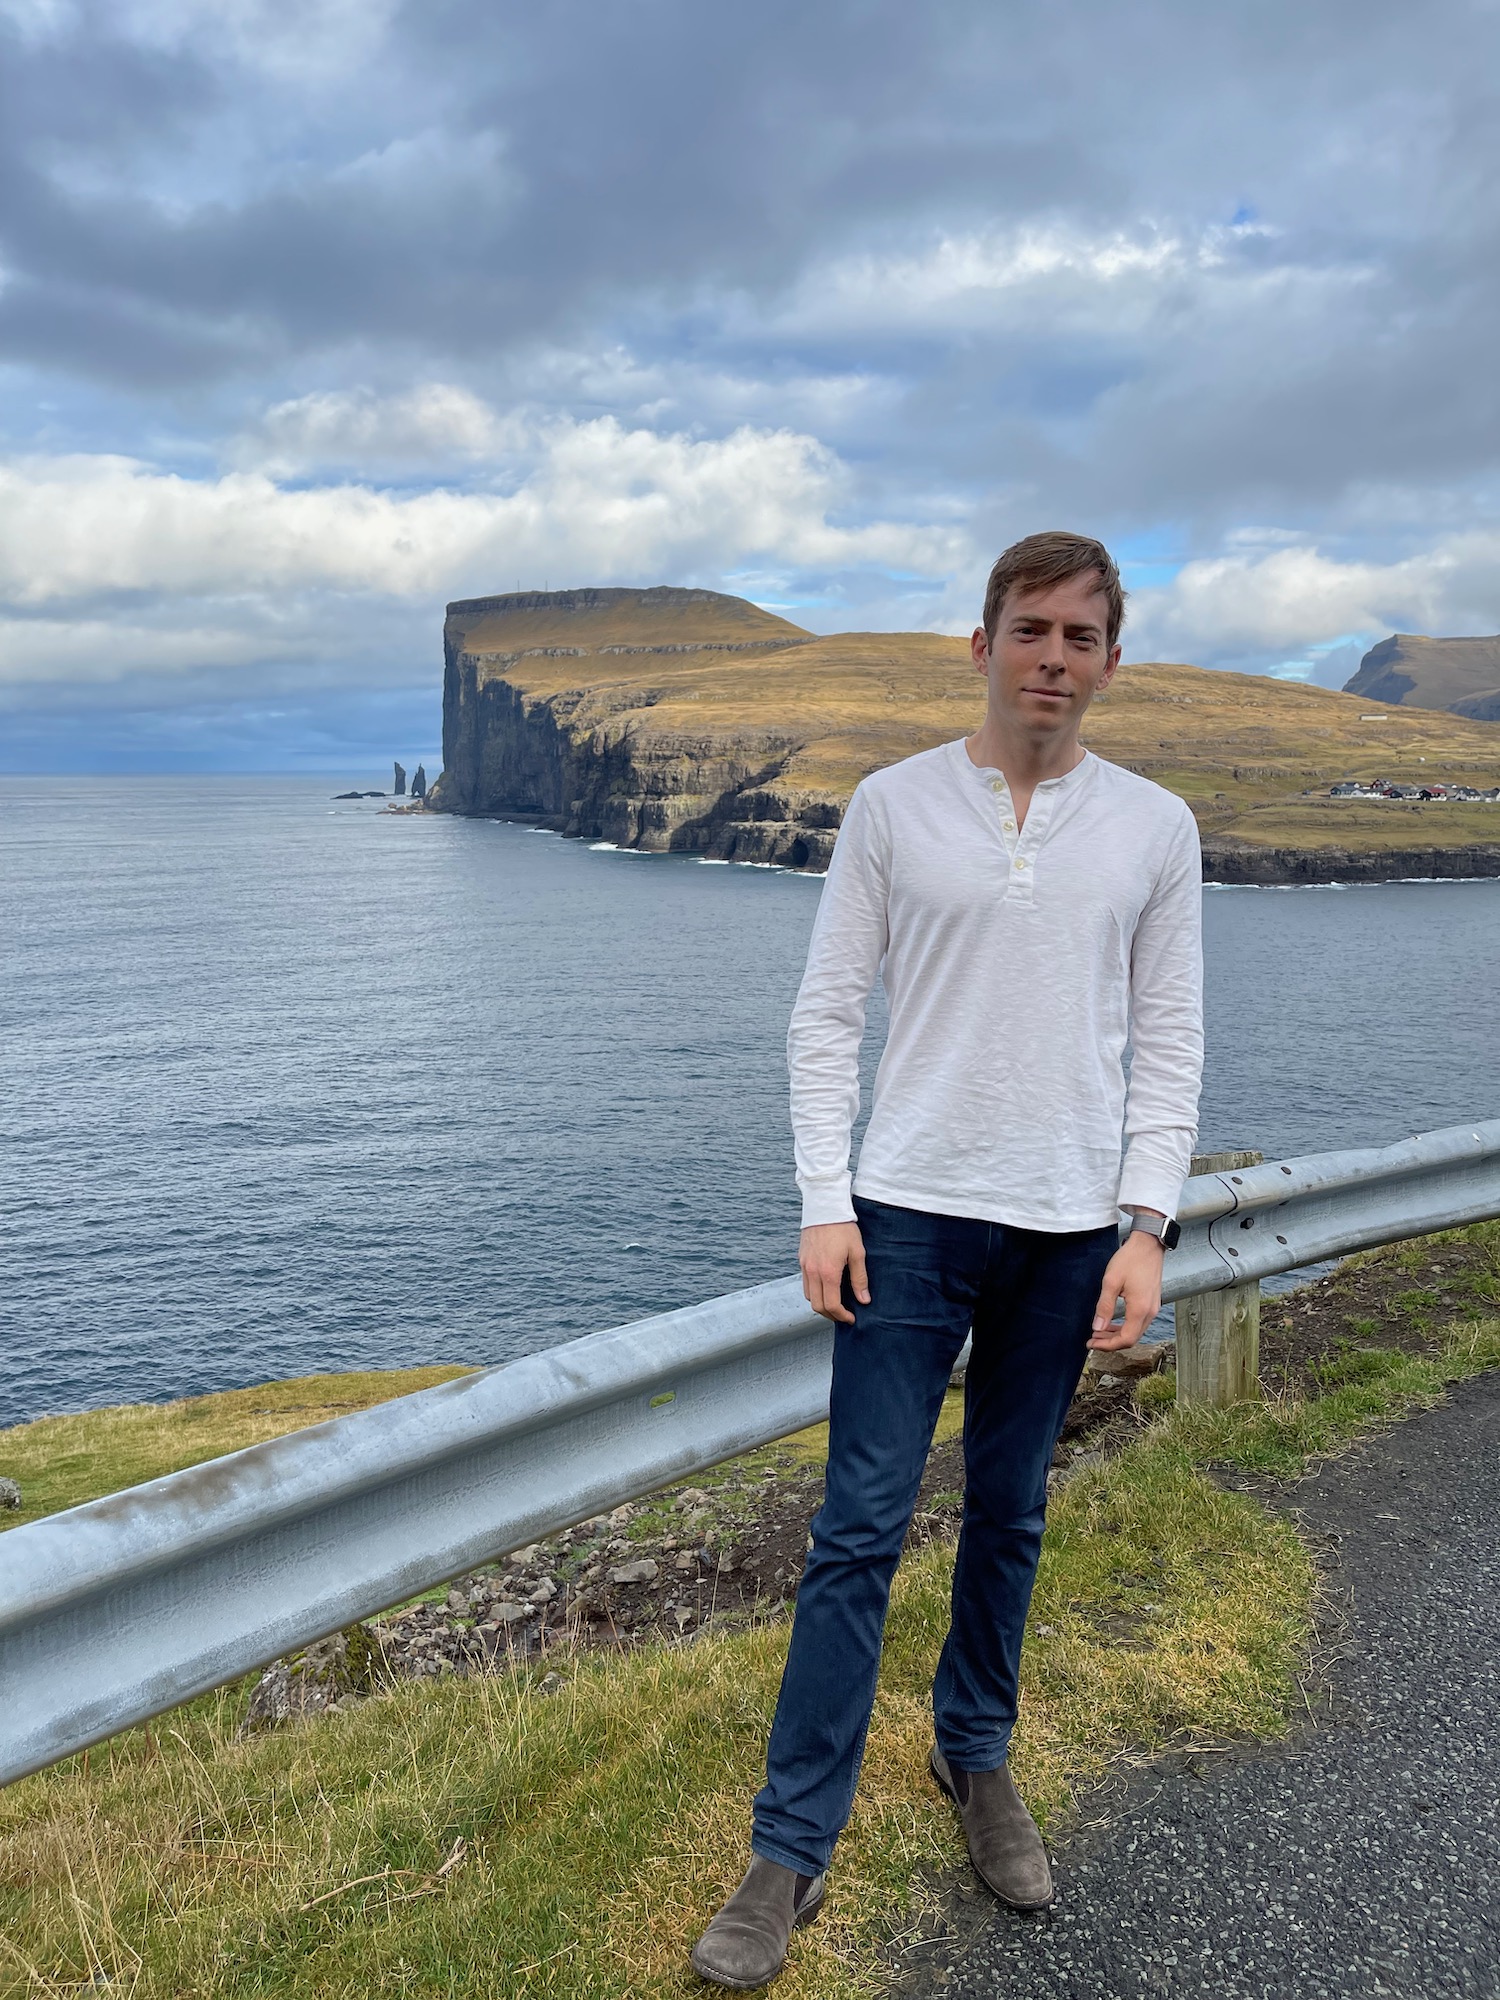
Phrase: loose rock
(1129, 1364)
(10, 1494)
(321, 1677)
(644, 1571)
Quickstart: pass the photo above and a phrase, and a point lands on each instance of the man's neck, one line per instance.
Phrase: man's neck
(1024, 762)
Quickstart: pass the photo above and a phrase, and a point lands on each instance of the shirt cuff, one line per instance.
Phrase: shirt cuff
(1148, 1183)
(827, 1201)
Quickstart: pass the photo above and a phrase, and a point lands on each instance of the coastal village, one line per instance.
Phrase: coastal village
(1381, 788)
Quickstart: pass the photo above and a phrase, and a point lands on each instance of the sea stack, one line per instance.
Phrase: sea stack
(400, 781)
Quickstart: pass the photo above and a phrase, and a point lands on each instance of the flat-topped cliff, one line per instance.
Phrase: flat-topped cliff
(1461, 675)
(695, 721)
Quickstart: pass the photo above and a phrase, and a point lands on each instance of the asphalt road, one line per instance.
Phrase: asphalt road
(1361, 1859)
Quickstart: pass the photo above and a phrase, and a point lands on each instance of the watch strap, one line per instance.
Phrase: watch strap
(1163, 1227)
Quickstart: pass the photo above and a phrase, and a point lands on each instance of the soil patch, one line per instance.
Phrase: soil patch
(1406, 1296)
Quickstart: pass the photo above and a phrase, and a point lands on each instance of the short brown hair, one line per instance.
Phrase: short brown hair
(1040, 561)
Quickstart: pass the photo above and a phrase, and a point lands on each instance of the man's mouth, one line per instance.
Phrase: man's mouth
(1049, 694)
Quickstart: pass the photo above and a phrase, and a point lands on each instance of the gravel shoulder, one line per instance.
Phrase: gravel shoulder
(1359, 1858)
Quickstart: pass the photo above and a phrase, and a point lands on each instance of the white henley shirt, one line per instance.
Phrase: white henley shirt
(1018, 965)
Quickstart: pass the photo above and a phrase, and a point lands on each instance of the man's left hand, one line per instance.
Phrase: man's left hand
(1134, 1275)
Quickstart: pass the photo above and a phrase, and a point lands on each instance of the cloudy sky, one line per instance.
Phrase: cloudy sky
(317, 313)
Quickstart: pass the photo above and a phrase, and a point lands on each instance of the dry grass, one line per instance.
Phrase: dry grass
(634, 618)
(600, 1825)
(1242, 749)
(480, 1838)
(63, 1461)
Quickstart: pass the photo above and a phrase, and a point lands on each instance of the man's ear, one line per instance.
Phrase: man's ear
(979, 650)
(1109, 670)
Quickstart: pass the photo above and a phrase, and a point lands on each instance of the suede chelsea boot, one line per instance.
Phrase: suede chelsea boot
(745, 1945)
(1004, 1843)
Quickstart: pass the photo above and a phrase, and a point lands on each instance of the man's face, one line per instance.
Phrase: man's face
(1049, 657)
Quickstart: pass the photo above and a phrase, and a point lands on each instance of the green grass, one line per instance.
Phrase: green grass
(1363, 1388)
(64, 1461)
(479, 1838)
(601, 1824)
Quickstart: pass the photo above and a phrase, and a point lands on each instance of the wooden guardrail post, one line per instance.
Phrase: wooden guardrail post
(1218, 1333)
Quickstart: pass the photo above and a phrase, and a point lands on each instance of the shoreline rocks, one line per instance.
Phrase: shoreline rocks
(1237, 865)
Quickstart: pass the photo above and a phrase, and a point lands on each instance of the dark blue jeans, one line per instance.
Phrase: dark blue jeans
(1029, 1297)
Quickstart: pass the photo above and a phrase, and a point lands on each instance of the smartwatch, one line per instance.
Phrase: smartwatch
(1162, 1227)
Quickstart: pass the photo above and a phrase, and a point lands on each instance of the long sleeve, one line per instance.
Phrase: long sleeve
(848, 942)
(1166, 1031)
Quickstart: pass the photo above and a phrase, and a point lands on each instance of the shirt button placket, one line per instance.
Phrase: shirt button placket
(1024, 861)
(1008, 819)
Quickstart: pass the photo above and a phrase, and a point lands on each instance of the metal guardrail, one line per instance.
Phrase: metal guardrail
(1259, 1221)
(114, 1611)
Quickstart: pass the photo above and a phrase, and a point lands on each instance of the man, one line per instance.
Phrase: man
(1032, 908)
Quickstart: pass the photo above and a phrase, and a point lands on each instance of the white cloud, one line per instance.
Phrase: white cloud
(588, 502)
(1251, 607)
(1004, 277)
(440, 427)
(99, 652)
(435, 424)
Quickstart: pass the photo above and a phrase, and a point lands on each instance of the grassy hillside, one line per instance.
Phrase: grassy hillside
(1242, 750)
(1458, 674)
(65, 1460)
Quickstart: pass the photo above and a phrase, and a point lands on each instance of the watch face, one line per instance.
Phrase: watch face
(1171, 1236)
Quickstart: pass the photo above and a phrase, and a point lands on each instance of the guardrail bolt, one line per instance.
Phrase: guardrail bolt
(1218, 1333)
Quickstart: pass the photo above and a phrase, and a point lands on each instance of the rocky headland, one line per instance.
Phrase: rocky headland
(695, 722)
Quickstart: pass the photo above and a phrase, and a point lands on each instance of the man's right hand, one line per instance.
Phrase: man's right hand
(828, 1250)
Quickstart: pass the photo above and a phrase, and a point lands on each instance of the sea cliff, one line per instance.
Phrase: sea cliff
(691, 721)
(1240, 865)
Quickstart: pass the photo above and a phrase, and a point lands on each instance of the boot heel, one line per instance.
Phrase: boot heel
(812, 1912)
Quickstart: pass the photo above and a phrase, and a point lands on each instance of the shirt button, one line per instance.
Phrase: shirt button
(1021, 863)
(1010, 826)
(997, 784)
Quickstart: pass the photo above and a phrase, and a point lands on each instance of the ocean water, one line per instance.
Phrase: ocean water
(295, 1085)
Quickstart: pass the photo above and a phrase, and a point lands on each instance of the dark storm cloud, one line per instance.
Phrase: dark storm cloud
(492, 177)
(670, 149)
(1218, 282)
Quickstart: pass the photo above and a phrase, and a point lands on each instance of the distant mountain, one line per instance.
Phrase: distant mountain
(1461, 675)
